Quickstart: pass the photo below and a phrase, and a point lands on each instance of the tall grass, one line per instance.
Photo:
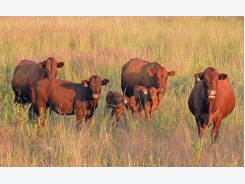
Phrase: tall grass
(101, 45)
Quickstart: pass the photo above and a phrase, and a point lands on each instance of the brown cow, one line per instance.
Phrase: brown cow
(147, 99)
(211, 100)
(119, 104)
(69, 98)
(27, 73)
(143, 73)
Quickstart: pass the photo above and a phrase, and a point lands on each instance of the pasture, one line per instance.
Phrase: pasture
(101, 45)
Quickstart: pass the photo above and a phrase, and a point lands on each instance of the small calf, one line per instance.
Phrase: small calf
(68, 98)
(147, 99)
(119, 104)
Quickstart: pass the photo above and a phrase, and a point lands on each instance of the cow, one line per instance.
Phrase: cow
(143, 73)
(119, 104)
(68, 98)
(147, 99)
(211, 100)
(27, 73)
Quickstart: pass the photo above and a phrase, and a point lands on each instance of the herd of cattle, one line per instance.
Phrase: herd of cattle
(143, 86)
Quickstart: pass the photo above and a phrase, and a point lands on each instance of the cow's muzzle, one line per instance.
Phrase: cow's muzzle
(211, 93)
(96, 96)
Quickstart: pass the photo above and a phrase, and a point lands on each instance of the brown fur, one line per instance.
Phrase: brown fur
(143, 73)
(27, 73)
(69, 98)
(211, 100)
(119, 104)
(147, 99)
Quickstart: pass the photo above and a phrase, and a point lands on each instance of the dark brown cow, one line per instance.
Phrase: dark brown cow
(69, 98)
(119, 104)
(143, 73)
(147, 99)
(211, 100)
(27, 73)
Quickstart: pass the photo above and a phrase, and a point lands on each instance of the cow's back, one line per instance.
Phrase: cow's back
(25, 72)
(133, 73)
(134, 66)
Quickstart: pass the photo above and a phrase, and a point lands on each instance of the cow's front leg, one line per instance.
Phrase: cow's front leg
(88, 121)
(215, 131)
(80, 116)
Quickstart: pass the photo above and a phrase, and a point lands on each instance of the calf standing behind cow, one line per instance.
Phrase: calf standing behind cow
(211, 100)
(119, 104)
(68, 98)
(27, 73)
(144, 73)
(147, 99)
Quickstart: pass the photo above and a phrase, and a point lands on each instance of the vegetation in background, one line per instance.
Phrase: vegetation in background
(101, 45)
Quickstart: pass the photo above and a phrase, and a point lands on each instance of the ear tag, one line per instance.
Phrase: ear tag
(85, 85)
(125, 101)
(145, 92)
(198, 79)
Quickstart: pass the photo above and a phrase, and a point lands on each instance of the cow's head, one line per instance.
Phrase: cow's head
(154, 92)
(95, 85)
(160, 77)
(50, 66)
(210, 79)
(140, 89)
(130, 103)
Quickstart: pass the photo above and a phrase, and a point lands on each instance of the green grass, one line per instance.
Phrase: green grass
(101, 45)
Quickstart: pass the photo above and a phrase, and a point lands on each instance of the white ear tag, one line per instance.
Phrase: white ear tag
(125, 101)
(198, 79)
(145, 92)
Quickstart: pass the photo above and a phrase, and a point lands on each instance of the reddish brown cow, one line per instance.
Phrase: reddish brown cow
(119, 104)
(147, 99)
(27, 73)
(69, 98)
(143, 73)
(211, 100)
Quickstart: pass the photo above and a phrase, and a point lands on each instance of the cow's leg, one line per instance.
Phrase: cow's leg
(107, 107)
(80, 115)
(31, 112)
(125, 118)
(201, 128)
(88, 121)
(215, 131)
(147, 111)
(118, 113)
(41, 117)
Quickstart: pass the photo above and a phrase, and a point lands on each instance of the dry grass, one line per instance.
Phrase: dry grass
(101, 45)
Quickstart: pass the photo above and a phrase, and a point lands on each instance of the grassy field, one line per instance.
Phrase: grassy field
(101, 45)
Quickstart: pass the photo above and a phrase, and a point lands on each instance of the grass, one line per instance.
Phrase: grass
(101, 45)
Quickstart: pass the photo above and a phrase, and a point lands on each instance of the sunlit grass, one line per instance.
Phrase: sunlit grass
(101, 45)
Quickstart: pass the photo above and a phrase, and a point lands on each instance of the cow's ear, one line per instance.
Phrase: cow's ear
(60, 64)
(160, 90)
(85, 83)
(151, 72)
(104, 82)
(126, 99)
(172, 73)
(198, 76)
(222, 76)
(42, 64)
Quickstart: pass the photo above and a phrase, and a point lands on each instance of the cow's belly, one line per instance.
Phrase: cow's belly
(62, 108)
